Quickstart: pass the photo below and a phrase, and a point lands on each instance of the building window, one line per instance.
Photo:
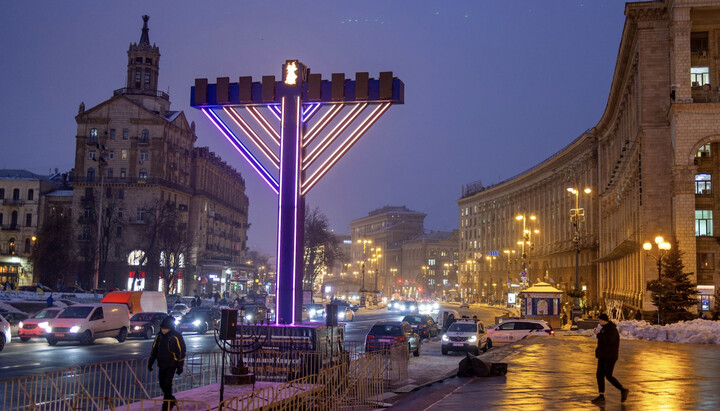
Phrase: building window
(703, 223)
(28, 220)
(145, 136)
(144, 155)
(143, 174)
(2, 193)
(706, 261)
(112, 134)
(118, 232)
(121, 193)
(703, 183)
(123, 173)
(16, 194)
(11, 246)
(138, 75)
(111, 154)
(126, 133)
(431, 261)
(704, 151)
(13, 219)
(92, 155)
(699, 41)
(31, 194)
(699, 76)
(147, 79)
(27, 245)
(93, 135)
(91, 174)
(110, 173)
(140, 215)
(123, 155)
(1, 218)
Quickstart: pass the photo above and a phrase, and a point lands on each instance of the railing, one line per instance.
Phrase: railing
(11, 202)
(112, 403)
(303, 380)
(132, 91)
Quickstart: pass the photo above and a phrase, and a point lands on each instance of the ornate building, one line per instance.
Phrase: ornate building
(650, 162)
(136, 162)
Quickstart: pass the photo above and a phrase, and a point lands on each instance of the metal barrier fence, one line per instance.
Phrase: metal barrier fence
(118, 404)
(300, 394)
(355, 379)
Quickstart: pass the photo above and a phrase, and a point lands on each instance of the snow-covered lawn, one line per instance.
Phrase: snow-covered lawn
(685, 332)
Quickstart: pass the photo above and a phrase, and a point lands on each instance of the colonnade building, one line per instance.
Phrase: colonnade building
(650, 163)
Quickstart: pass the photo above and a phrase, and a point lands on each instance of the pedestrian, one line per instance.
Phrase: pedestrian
(564, 318)
(169, 351)
(607, 351)
(450, 320)
(50, 300)
(638, 315)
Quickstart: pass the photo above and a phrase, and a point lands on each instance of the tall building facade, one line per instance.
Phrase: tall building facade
(650, 162)
(135, 162)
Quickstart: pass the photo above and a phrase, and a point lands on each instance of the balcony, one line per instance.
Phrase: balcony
(131, 91)
(9, 202)
(143, 141)
(705, 94)
(11, 227)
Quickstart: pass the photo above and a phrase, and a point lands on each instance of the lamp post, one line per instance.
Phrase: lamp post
(364, 243)
(393, 271)
(526, 239)
(101, 164)
(577, 215)
(662, 247)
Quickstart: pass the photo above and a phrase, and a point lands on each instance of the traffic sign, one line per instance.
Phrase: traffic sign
(493, 253)
(523, 274)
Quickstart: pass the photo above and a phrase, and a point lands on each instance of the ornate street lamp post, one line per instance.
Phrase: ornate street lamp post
(662, 247)
(577, 215)
(525, 240)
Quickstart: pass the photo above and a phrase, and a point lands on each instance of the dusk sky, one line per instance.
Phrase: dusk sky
(492, 88)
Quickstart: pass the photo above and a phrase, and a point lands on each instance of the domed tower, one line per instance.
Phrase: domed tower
(143, 69)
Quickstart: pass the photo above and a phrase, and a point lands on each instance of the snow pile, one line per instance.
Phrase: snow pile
(687, 332)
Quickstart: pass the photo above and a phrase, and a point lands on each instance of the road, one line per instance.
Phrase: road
(36, 356)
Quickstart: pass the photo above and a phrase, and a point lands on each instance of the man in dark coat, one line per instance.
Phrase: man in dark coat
(169, 351)
(606, 352)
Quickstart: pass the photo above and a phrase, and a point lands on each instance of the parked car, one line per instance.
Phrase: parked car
(510, 331)
(199, 321)
(87, 322)
(36, 326)
(343, 303)
(5, 336)
(14, 319)
(423, 324)
(464, 304)
(73, 290)
(34, 288)
(346, 314)
(313, 312)
(466, 335)
(254, 312)
(146, 325)
(394, 305)
(385, 334)
(178, 310)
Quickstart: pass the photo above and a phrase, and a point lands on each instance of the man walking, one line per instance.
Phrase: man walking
(606, 352)
(169, 351)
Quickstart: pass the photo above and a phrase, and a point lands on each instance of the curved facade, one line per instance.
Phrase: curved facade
(650, 162)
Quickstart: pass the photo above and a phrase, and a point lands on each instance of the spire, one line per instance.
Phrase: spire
(145, 38)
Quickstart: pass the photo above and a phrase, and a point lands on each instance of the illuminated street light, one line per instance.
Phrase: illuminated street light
(662, 247)
(577, 215)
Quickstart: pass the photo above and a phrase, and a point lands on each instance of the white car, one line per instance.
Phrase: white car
(4, 332)
(179, 310)
(345, 314)
(466, 335)
(509, 331)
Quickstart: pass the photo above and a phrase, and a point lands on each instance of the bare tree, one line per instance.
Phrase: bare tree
(50, 255)
(321, 247)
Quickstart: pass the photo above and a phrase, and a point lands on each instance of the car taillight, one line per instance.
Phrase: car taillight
(370, 337)
(400, 339)
(551, 332)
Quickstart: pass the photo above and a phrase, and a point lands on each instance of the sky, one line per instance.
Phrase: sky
(492, 88)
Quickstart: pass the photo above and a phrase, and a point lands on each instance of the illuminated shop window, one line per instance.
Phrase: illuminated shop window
(699, 76)
(703, 223)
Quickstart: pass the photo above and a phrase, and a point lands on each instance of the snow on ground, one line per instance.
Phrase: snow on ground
(685, 332)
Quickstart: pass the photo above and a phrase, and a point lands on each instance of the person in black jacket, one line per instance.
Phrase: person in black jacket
(169, 351)
(606, 352)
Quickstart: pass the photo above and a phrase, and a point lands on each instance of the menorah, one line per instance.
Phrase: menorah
(298, 134)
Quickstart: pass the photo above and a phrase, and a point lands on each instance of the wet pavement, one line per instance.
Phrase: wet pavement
(559, 373)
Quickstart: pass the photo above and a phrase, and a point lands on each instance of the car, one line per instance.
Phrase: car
(14, 318)
(343, 303)
(428, 307)
(73, 289)
(513, 330)
(86, 322)
(5, 335)
(466, 335)
(313, 312)
(394, 305)
(346, 314)
(464, 304)
(36, 326)
(198, 321)
(34, 288)
(385, 334)
(254, 312)
(423, 324)
(178, 310)
(146, 325)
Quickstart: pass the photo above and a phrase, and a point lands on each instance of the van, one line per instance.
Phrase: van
(443, 315)
(138, 301)
(87, 322)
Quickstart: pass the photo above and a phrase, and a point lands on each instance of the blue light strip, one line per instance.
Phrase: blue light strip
(239, 146)
(275, 110)
(280, 209)
(310, 111)
(296, 194)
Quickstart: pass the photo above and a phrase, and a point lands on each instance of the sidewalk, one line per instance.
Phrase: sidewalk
(559, 373)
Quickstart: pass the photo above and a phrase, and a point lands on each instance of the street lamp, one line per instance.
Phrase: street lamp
(577, 215)
(526, 239)
(102, 162)
(364, 243)
(662, 247)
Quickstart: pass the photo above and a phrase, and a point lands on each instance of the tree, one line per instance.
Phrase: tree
(674, 293)
(321, 247)
(50, 255)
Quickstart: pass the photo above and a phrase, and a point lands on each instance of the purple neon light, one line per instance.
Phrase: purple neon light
(245, 127)
(255, 113)
(344, 147)
(279, 260)
(333, 135)
(321, 124)
(310, 111)
(296, 190)
(274, 109)
(240, 147)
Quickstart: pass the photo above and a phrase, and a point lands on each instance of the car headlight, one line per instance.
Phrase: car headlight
(137, 327)
(177, 321)
(20, 324)
(44, 325)
(74, 329)
(436, 306)
(413, 308)
(313, 313)
(249, 317)
(402, 307)
(445, 337)
(473, 339)
(196, 323)
(341, 316)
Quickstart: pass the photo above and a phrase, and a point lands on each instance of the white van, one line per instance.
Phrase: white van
(87, 322)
